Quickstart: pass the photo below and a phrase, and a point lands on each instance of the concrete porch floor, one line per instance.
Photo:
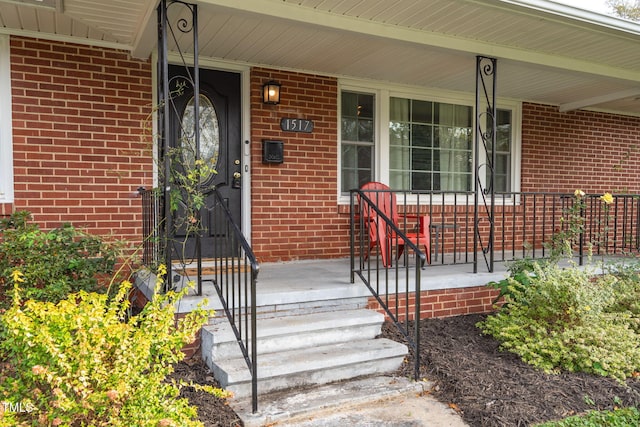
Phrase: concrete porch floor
(295, 282)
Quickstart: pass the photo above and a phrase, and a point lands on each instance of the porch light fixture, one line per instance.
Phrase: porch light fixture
(271, 93)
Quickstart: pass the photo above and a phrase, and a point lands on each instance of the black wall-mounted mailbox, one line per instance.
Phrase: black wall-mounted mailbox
(272, 151)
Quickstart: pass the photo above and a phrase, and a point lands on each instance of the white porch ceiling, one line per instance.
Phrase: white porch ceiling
(547, 52)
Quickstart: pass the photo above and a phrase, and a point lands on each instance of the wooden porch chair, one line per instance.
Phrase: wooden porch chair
(380, 235)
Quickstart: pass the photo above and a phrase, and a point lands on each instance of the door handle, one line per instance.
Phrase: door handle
(237, 181)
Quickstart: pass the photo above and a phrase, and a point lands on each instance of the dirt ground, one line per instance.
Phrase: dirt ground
(486, 386)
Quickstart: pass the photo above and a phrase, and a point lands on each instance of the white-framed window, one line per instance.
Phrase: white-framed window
(6, 136)
(430, 145)
(421, 140)
(357, 136)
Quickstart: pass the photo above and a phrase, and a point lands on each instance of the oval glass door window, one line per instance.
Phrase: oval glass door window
(209, 135)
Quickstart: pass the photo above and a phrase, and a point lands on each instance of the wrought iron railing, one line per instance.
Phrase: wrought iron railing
(150, 229)
(233, 271)
(392, 282)
(523, 224)
(235, 277)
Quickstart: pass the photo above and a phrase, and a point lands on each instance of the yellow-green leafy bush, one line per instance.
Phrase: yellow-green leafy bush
(82, 362)
(570, 319)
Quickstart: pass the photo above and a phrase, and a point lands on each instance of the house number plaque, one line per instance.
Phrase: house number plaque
(296, 125)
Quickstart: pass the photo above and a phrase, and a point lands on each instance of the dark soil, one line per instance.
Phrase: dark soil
(486, 386)
(492, 388)
(212, 411)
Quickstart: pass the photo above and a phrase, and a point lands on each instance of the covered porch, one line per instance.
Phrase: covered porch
(283, 286)
(475, 248)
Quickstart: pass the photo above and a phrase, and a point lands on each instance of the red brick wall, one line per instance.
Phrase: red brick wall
(295, 212)
(596, 152)
(295, 204)
(444, 303)
(6, 209)
(81, 149)
(80, 145)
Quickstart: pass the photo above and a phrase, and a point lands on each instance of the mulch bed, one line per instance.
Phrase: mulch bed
(493, 388)
(213, 412)
(488, 387)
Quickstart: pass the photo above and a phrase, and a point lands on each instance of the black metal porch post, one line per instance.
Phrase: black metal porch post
(485, 147)
(163, 138)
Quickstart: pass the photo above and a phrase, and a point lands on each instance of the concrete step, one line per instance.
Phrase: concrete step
(311, 366)
(319, 404)
(293, 332)
(307, 307)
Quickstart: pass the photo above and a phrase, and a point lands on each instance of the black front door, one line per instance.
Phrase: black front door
(219, 148)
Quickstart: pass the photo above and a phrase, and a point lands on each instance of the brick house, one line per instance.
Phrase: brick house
(79, 80)
(386, 91)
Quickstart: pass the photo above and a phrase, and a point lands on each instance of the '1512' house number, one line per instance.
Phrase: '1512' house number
(296, 125)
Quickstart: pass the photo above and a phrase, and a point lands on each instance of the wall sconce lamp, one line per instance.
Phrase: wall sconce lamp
(271, 93)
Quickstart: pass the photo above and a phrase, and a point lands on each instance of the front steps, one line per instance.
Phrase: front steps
(306, 349)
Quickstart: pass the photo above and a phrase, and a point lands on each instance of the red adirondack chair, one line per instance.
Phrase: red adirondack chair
(416, 226)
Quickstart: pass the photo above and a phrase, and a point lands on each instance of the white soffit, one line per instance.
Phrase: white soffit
(547, 52)
(542, 52)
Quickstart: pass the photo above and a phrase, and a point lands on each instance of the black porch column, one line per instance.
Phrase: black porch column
(485, 160)
(170, 25)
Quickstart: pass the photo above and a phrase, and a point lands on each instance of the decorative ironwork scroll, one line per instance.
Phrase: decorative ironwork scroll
(485, 160)
(176, 19)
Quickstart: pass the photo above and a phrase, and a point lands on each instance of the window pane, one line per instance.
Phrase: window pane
(349, 129)
(399, 180)
(365, 106)
(399, 133)
(209, 130)
(422, 112)
(421, 160)
(356, 166)
(358, 136)
(399, 158)
(349, 105)
(502, 181)
(349, 157)
(430, 148)
(421, 135)
(421, 181)
(462, 116)
(399, 110)
(365, 130)
(365, 159)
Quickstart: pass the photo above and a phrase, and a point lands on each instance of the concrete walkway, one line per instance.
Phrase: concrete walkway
(369, 402)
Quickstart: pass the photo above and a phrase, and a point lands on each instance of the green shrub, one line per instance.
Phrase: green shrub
(617, 418)
(81, 361)
(520, 274)
(627, 290)
(567, 319)
(55, 263)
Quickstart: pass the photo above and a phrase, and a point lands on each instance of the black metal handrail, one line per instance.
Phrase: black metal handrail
(389, 284)
(235, 277)
(526, 222)
(522, 226)
(234, 271)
